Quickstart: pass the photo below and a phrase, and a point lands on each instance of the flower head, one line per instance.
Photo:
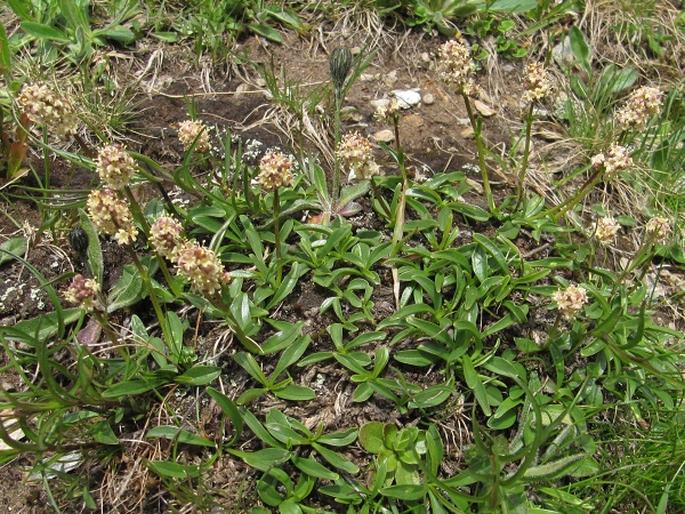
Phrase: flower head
(606, 230)
(83, 292)
(616, 160)
(455, 66)
(570, 300)
(111, 215)
(166, 237)
(115, 166)
(45, 107)
(538, 84)
(641, 105)
(659, 229)
(189, 131)
(387, 110)
(275, 170)
(202, 268)
(356, 152)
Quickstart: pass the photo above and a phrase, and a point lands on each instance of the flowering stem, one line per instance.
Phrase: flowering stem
(111, 334)
(476, 124)
(567, 205)
(526, 155)
(277, 234)
(335, 193)
(140, 218)
(147, 282)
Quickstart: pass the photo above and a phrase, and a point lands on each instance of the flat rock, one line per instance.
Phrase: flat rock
(407, 98)
(484, 109)
(384, 136)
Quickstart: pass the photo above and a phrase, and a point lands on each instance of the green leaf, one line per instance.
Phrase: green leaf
(199, 375)
(474, 382)
(554, 469)
(372, 437)
(94, 251)
(296, 393)
(431, 396)
(5, 52)
(336, 460)
(102, 433)
(230, 409)
(131, 388)
(314, 469)
(405, 492)
(15, 246)
(513, 6)
(263, 460)
(127, 291)
(46, 32)
(580, 48)
(173, 470)
(174, 433)
(266, 31)
(45, 326)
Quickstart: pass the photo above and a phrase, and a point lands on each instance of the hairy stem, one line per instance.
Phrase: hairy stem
(476, 124)
(524, 163)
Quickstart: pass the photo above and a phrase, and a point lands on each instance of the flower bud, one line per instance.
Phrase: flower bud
(166, 237)
(340, 63)
(83, 292)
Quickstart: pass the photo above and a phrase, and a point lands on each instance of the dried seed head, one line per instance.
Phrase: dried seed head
(45, 107)
(641, 105)
(387, 110)
(356, 152)
(115, 166)
(202, 268)
(658, 229)
(606, 230)
(166, 237)
(189, 130)
(111, 215)
(616, 160)
(455, 66)
(275, 170)
(570, 300)
(538, 83)
(340, 63)
(83, 292)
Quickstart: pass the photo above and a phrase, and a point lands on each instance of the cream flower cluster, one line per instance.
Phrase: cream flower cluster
(115, 166)
(659, 229)
(189, 131)
(387, 110)
(356, 152)
(166, 237)
(202, 268)
(197, 264)
(606, 230)
(570, 300)
(44, 107)
(641, 105)
(538, 83)
(275, 170)
(83, 292)
(616, 160)
(455, 65)
(111, 215)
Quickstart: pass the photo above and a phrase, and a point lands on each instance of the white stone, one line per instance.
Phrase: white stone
(407, 98)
